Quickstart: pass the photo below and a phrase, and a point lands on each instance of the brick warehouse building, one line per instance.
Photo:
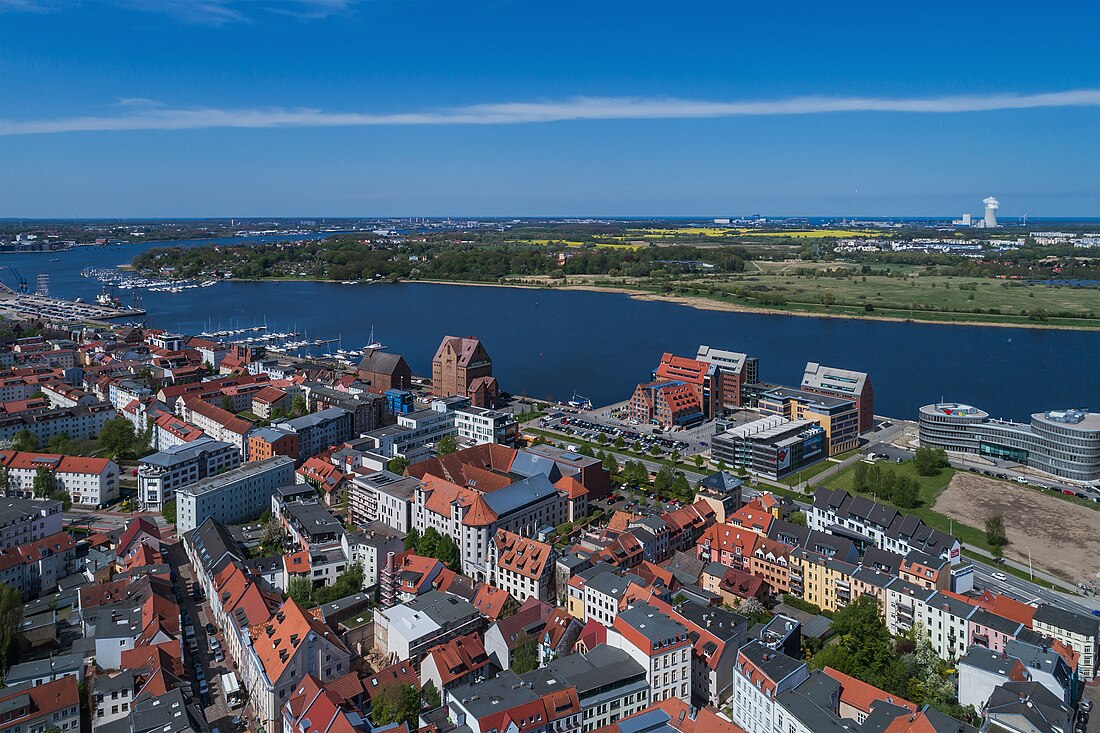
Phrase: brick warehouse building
(463, 367)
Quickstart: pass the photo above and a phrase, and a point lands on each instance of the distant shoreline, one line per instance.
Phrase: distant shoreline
(691, 301)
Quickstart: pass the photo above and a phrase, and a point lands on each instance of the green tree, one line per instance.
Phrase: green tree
(446, 445)
(396, 703)
(619, 442)
(602, 438)
(864, 649)
(11, 617)
(44, 485)
(300, 588)
(398, 465)
(4, 480)
(680, 486)
(798, 518)
(699, 460)
(117, 437)
(662, 482)
(168, 511)
(928, 460)
(298, 405)
(25, 440)
(586, 450)
(412, 539)
(227, 404)
(610, 464)
(60, 443)
(995, 530)
(431, 696)
(906, 493)
(271, 538)
(525, 657)
(348, 583)
(859, 476)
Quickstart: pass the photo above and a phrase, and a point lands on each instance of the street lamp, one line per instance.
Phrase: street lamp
(1030, 572)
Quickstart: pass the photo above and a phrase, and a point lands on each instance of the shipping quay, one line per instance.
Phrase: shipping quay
(27, 304)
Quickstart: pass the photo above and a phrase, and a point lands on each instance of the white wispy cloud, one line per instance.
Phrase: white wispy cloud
(512, 113)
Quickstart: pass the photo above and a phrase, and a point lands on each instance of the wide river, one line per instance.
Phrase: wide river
(599, 345)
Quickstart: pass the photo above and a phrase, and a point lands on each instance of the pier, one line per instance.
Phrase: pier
(14, 305)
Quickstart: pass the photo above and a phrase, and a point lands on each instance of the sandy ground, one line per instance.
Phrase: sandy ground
(1064, 538)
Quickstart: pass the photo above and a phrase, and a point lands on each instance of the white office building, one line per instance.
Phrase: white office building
(233, 496)
(161, 474)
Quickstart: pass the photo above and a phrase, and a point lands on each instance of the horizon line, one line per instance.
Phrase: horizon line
(153, 115)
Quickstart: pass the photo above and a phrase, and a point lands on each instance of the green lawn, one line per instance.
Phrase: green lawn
(935, 298)
(930, 488)
(819, 467)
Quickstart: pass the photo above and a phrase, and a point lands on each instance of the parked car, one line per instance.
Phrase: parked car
(211, 629)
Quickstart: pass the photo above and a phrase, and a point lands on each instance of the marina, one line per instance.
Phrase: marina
(13, 304)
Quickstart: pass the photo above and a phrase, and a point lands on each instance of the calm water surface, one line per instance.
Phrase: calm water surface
(599, 345)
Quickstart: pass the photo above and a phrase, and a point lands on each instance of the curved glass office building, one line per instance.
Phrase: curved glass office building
(1064, 443)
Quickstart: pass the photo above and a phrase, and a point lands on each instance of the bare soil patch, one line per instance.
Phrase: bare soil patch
(1064, 538)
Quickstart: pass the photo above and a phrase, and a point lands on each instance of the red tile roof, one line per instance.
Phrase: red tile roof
(861, 695)
(522, 555)
(459, 657)
(490, 601)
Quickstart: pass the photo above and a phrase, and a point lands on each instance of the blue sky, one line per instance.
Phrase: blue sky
(335, 107)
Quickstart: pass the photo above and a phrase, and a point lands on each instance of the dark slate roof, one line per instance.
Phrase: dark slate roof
(1062, 619)
(722, 481)
(1032, 702)
(380, 362)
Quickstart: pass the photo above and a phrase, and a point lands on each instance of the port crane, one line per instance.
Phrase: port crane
(23, 287)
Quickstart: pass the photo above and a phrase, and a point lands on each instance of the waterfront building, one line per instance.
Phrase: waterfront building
(233, 496)
(461, 366)
(669, 404)
(161, 474)
(837, 416)
(701, 377)
(1063, 443)
(846, 384)
(772, 446)
(385, 371)
(416, 433)
(733, 371)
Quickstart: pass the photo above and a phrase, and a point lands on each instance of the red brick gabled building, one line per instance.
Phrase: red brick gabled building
(461, 366)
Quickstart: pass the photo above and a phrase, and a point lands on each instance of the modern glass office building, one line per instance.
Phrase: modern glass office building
(1063, 443)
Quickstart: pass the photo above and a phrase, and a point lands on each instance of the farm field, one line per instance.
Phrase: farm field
(936, 293)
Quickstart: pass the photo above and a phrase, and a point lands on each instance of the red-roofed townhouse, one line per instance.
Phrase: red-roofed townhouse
(41, 707)
(269, 400)
(292, 644)
(320, 474)
(521, 566)
(857, 697)
(454, 663)
(88, 481)
(315, 707)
